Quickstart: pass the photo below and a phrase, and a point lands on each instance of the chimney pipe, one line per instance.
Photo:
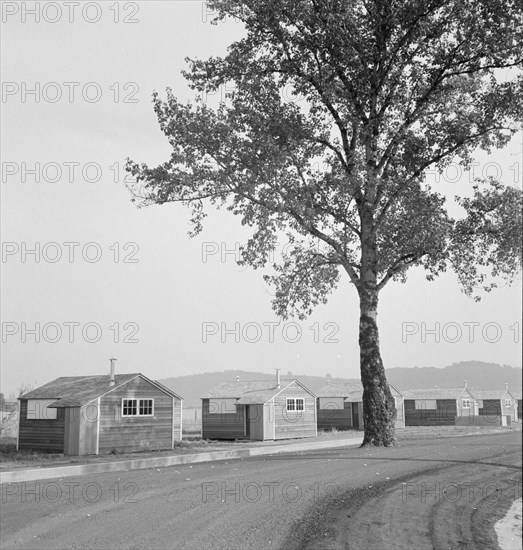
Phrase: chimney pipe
(112, 381)
(465, 383)
(506, 386)
(278, 383)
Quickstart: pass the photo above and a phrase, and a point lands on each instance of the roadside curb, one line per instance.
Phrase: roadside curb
(52, 472)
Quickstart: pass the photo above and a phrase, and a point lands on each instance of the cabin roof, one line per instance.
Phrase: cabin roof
(436, 393)
(251, 392)
(492, 394)
(351, 391)
(339, 389)
(75, 391)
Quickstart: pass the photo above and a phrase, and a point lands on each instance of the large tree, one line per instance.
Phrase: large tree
(380, 90)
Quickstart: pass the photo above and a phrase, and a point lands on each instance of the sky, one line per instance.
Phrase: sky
(87, 276)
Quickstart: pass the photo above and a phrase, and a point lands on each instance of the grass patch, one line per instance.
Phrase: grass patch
(8, 453)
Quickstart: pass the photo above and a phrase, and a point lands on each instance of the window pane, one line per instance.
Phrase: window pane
(146, 406)
(129, 407)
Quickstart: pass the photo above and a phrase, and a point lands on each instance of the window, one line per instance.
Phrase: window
(465, 403)
(222, 406)
(332, 403)
(38, 409)
(295, 404)
(137, 407)
(508, 403)
(146, 407)
(426, 404)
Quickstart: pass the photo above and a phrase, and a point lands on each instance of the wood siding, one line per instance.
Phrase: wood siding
(268, 421)
(137, 433)
(496, 407)
(491, 407)
(81, 425)
(223, 425)
(257, 419)
(400, 408)
(335, 418)
(444, 415)
(46, 435)
(72, 431)
(291, 424)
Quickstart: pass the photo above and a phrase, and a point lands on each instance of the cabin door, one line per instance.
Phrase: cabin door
(355, 416)
(248, 420)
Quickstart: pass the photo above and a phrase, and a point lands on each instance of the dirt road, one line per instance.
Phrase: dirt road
(427, 494)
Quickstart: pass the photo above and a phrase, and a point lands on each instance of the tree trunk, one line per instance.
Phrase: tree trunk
(379, 413)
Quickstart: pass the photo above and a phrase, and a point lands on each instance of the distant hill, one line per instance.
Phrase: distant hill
(477, 374)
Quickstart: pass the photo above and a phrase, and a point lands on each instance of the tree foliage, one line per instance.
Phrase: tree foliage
(338, 109)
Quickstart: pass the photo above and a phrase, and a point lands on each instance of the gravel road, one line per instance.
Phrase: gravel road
(444, 493)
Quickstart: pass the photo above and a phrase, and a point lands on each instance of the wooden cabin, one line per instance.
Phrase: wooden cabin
(496, 403)
(259, 410)
(90, 415)
(340, 406)
(438, 406)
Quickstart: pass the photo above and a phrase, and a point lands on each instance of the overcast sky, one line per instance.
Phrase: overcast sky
(134, 286)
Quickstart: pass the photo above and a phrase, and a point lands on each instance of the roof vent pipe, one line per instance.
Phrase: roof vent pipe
(278, 383)
(112, 381)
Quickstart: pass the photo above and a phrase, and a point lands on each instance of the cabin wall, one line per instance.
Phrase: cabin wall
(45, 435)
(89, 425)
(400, 410)
(444, 413)
(256, 418)
(490, 407)
(135, 433)
(72, 431)
(222, 425)
(268, 421)
(81, 428)
(360, 416)
(334, 417)
(294, 424)
(496, 407)
(509, 411)
(472, 410)
(177, 405)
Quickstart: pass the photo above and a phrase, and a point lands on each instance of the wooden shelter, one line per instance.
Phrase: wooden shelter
(438, 406)
(340, 406)
(82, 415)
(259, 410)
(496, 403)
